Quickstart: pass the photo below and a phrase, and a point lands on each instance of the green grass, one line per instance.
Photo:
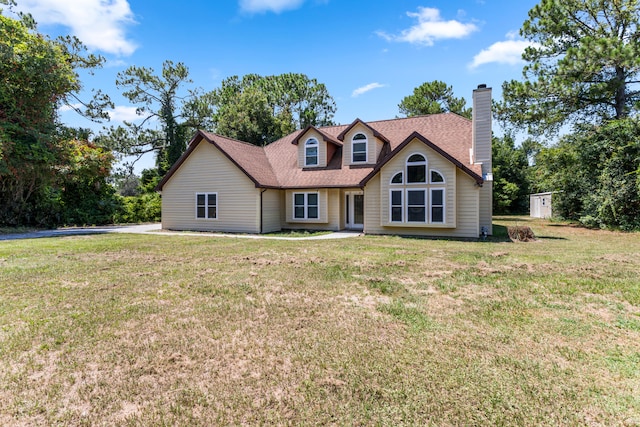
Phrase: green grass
(174, 330)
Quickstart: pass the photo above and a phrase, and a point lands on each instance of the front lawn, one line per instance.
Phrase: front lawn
(174, 330)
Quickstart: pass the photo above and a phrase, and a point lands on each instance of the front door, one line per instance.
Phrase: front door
(354, 210)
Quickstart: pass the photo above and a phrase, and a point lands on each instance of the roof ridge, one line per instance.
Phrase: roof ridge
(217, 135)
(397, 119)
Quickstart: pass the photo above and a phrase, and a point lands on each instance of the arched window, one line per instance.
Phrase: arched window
(311, 152)
(436, 177)
(416, 169)
(359, 148)
(416, 197)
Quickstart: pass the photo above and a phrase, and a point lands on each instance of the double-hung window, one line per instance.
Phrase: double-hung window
(437, 205)
(311, 152)
(359, 148)
(305, 205)
(207, 205)
(396, 206)
(417, 205)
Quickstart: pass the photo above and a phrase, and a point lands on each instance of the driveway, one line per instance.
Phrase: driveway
(156, 228)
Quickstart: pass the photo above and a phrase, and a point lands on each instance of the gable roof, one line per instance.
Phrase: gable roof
(417, 136)
(276, 165)
(358, 121)
(325, 136)
(249, 158)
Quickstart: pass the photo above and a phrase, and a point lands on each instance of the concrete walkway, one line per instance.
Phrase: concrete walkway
(155, 229)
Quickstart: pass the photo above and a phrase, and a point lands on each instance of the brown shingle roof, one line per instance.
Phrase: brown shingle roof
(276, 165)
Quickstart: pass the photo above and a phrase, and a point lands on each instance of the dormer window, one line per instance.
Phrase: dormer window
(311, 152)
(359, 148)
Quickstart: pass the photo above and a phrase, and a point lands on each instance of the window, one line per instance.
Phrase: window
(207, 205)
(305, 205)
(397, 178)
(311, 152)
(416, 206)
(437, 205)
(359, 148)
(414, 199)
(396, 205)
(416, 169)
(436, 177)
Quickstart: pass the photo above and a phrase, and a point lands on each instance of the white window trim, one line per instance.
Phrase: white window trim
(428, 190)
(424, 163)
(393, 176)
(364, 141)
(440, 173)
(307, 145)
(402, 206)
(305, 206)
(206, 205)
(426, 206)
(444, 205)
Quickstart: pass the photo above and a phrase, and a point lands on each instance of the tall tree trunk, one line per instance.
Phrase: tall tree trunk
(621, 93)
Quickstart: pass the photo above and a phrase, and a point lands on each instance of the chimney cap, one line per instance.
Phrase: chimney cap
(482, 86)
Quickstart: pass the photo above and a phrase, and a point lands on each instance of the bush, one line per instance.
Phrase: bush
(143, 208)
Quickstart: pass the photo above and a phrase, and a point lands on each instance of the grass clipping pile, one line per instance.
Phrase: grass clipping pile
(521, 234)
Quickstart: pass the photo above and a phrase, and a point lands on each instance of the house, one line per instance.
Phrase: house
(423, 176)
(540, 205)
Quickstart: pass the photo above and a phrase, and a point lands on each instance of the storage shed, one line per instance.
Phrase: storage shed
(540, 205)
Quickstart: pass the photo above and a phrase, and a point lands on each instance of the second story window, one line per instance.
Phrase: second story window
(417, 169)
(359, 148)
(311, 152)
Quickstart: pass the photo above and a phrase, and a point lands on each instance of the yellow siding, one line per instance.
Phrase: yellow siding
(207, 170)
(434, 161)
(374, 145)
(322, 149)
(271, 210)
(379, 146)
(372, 207)
(461, 198)
(334, 208)
(486, 206)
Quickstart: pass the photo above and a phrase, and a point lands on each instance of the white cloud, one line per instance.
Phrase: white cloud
(71, 107)
(504, 52)
(99, 24)
(365, 89)
(430, 27)
(123, 113)
(276, 6)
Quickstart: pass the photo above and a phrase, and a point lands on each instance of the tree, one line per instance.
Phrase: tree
(242, 112)
(582, 66)
(510, 177)
(433, 98)
(37, 76)
(260, 110)
(594, 167)
(169, 115)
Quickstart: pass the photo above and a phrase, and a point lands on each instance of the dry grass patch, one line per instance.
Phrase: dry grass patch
(156, 330)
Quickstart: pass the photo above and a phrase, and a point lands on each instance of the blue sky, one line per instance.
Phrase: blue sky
(369, 54)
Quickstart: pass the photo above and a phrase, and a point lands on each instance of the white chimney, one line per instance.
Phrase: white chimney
(481, 154)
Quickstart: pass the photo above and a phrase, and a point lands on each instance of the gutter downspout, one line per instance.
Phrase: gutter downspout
(261, 210)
